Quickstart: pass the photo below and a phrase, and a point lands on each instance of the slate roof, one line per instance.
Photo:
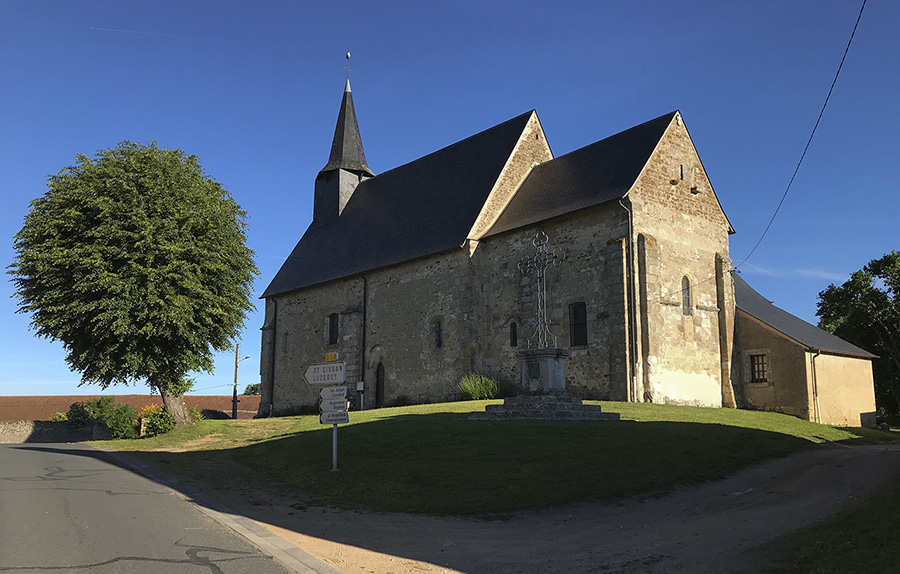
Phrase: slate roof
(422, 208)
(810, 336)
(586, 177)
(346, 147)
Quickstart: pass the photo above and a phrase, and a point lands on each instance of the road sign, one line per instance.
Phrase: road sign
(326, 373)
(331, 357)
(333, 405)
(333, 393)
(334, 418)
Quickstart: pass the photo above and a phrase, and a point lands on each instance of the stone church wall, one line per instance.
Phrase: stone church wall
(681, 229)
(591, 272)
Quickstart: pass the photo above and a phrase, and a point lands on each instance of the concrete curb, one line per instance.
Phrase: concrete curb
(285, 552)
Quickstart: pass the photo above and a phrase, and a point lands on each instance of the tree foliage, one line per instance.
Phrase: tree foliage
(137, 262)
(865, 311)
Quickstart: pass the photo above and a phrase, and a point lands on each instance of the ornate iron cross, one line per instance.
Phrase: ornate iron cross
(538, 263)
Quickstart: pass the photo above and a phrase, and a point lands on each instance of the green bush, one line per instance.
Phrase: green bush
(157, 421)
(78, 415)
(59, 418)
(119, 418)
(478, 387)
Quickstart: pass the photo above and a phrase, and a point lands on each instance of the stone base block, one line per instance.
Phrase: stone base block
(549, 407)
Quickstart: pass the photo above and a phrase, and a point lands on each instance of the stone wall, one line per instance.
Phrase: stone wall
(46, 431)
(590, 273)
(680, 230)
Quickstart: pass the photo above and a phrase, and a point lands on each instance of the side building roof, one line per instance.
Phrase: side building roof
(418, 209)
(810, 336)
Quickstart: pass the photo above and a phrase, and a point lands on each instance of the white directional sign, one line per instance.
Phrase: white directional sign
(334, 418)
(333, 405)
(333, 393)
(326, 373)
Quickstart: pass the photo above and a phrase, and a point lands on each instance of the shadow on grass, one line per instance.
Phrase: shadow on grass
(444, 464)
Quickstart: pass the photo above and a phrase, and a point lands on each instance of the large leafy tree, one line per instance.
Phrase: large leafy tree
(865, 310)
(137, 262)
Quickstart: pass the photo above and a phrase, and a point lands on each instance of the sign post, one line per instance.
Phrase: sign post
(332, 399)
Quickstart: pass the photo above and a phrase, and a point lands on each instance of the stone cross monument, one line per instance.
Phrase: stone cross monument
(542, 369)
(538, 263)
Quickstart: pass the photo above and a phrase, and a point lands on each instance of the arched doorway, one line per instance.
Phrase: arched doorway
(379, 386)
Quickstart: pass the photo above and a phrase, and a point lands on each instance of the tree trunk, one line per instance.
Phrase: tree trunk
(175, 406)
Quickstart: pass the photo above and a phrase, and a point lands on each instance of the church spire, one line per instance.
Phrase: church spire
(346, 167)
(346, 148)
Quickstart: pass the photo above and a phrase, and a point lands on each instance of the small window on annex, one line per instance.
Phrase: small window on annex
(759, 368)
(578, 325)
(513, 335)
(438, 335)
(333, 327)
(685, 295)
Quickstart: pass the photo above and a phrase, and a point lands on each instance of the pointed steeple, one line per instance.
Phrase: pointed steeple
(346, 148)
(346, 167)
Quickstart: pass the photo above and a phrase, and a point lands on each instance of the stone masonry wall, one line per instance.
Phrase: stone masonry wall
(591, 272)
(681, 229)
(530, 150)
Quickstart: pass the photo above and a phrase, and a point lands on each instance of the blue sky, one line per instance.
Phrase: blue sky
(253, 89)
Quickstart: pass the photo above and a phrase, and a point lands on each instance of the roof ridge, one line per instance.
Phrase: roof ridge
(458, 143)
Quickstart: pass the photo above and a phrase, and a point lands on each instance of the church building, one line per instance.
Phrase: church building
(412, 277)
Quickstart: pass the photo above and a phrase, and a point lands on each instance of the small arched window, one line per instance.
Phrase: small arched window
(513, 335)
(438, 335)
(333, 326)
(578, 325)
(685, 295)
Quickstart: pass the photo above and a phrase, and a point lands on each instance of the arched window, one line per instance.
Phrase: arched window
(513, 335)
(685, 295)
(578, 325)
(333, 326)
(438, 335)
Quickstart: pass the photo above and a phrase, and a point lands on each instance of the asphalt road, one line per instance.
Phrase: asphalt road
(70, 508)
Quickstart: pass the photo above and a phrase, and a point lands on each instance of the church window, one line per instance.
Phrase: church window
(686, 295)
(513, 335)
(332, 328)
(759, 368)
(578, 325)
(438, 335)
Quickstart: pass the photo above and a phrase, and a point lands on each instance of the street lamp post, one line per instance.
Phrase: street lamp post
(237, 359)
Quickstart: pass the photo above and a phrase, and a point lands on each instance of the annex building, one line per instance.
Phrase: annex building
(412, 277)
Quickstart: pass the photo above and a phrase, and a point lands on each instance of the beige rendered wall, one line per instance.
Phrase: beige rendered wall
(680, 228)
(788, 389)
(845, 390)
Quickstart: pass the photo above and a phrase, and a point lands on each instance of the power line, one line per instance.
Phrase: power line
(803, 155)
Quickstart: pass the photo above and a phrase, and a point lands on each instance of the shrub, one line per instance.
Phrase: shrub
(477, 387)
(59, 418)
(157, 422)
(117, 417)
(78, 415)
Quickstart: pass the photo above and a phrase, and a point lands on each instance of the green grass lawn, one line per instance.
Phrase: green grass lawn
(432, 459)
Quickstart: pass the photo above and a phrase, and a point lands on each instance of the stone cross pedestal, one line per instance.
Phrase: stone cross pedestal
(542, 371)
